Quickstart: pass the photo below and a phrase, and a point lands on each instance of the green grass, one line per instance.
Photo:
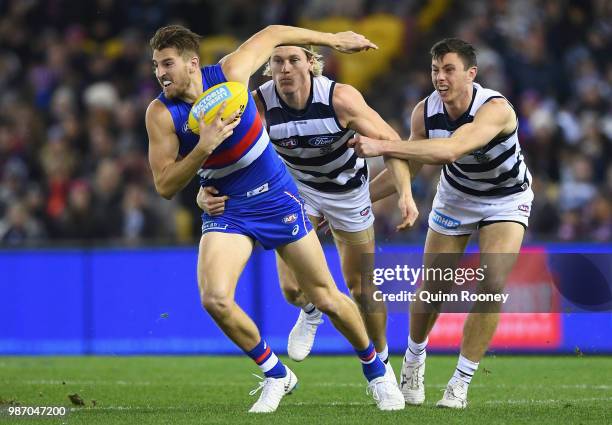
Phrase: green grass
(207, 390)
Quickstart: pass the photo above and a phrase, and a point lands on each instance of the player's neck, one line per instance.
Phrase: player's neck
(298, 99)
(196, 88)
(458, 106)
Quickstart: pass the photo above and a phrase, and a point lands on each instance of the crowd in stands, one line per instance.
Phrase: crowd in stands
(76, 78)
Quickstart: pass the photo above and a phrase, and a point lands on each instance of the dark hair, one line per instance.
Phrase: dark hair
(464, 50)
(177, 36)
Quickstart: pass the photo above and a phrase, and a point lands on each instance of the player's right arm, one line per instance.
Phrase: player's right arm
(253, 53)
(208, 199)
(170, 174)
(382, 185)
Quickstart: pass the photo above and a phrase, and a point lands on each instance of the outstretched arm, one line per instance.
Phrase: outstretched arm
(494, 118)
(253, 53)
(353, 112)
(382, 186)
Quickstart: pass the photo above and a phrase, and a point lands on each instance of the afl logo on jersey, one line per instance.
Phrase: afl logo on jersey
(287, 143)
(364, 212)
(288, 219)
(321, 141)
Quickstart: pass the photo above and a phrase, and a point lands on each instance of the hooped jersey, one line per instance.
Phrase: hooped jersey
(312, 142)
(495, 170)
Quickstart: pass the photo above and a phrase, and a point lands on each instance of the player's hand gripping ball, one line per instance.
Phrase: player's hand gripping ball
(234, 94)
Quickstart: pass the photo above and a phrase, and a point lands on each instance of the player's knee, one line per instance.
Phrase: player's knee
(292, 295)
(326, 303)
(357, 294)
(218, 306)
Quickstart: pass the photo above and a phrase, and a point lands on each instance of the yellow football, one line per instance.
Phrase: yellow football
(207, 105)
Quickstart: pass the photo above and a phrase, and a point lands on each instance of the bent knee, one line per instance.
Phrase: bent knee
(217, 305)
(357, 295)
(327, 302)
(292, 295)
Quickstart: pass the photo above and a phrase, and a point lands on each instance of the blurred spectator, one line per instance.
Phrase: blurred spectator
(138, 222)
(79, 218)
(18, 227)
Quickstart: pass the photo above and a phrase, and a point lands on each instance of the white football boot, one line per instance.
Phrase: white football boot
(390, 373)
(455, 395)
(386, 394)
(301, 338)
(412, 382)
(273, 390)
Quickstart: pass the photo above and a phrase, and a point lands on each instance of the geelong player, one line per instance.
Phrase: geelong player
(264, 203)
(484, 185)
(309, 119)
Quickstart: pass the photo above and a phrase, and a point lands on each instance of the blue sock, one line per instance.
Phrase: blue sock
(267, 361)
(371, 364)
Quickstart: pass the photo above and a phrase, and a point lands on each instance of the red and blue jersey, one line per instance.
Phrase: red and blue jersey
(243, 161)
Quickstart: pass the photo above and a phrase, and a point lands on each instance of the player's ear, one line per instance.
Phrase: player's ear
(195, 63)
(472, 73)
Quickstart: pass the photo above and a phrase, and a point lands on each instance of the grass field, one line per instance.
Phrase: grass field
(207, 390)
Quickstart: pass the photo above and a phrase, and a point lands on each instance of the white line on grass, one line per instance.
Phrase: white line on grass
(311, 384)
(548, 401)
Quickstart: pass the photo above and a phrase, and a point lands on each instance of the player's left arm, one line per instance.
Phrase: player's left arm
(261, 109)
(253, 53)
(353, 112)
(494, 118)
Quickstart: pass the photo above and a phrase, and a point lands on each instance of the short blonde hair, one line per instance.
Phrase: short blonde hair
(311, 54)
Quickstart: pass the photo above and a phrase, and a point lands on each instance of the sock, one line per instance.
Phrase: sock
(384, 355)
(416, 352)
(310, 309)
(267, 361)
(465, 370)
(371, 364)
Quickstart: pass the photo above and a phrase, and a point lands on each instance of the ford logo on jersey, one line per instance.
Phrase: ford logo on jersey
(321, 141)
(444, 220)
(287, 143)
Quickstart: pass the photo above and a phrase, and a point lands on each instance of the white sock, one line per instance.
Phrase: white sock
(465, 370)
(311, 310)
(416, 352)
(384, 354)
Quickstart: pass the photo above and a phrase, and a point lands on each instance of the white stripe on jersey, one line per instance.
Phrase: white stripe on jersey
(314, 153)
(312, 127)
(330, 166)
(256, 150)
(342, 178)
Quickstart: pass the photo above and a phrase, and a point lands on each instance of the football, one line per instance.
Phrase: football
(233, 93)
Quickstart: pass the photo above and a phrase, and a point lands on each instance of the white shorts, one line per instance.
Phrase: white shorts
(452, 214)
(349, 211)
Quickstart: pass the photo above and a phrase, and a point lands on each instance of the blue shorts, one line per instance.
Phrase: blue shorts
(272, 214)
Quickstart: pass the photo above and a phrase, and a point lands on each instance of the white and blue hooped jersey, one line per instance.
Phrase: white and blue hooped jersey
(496, 170)
(312, 142)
